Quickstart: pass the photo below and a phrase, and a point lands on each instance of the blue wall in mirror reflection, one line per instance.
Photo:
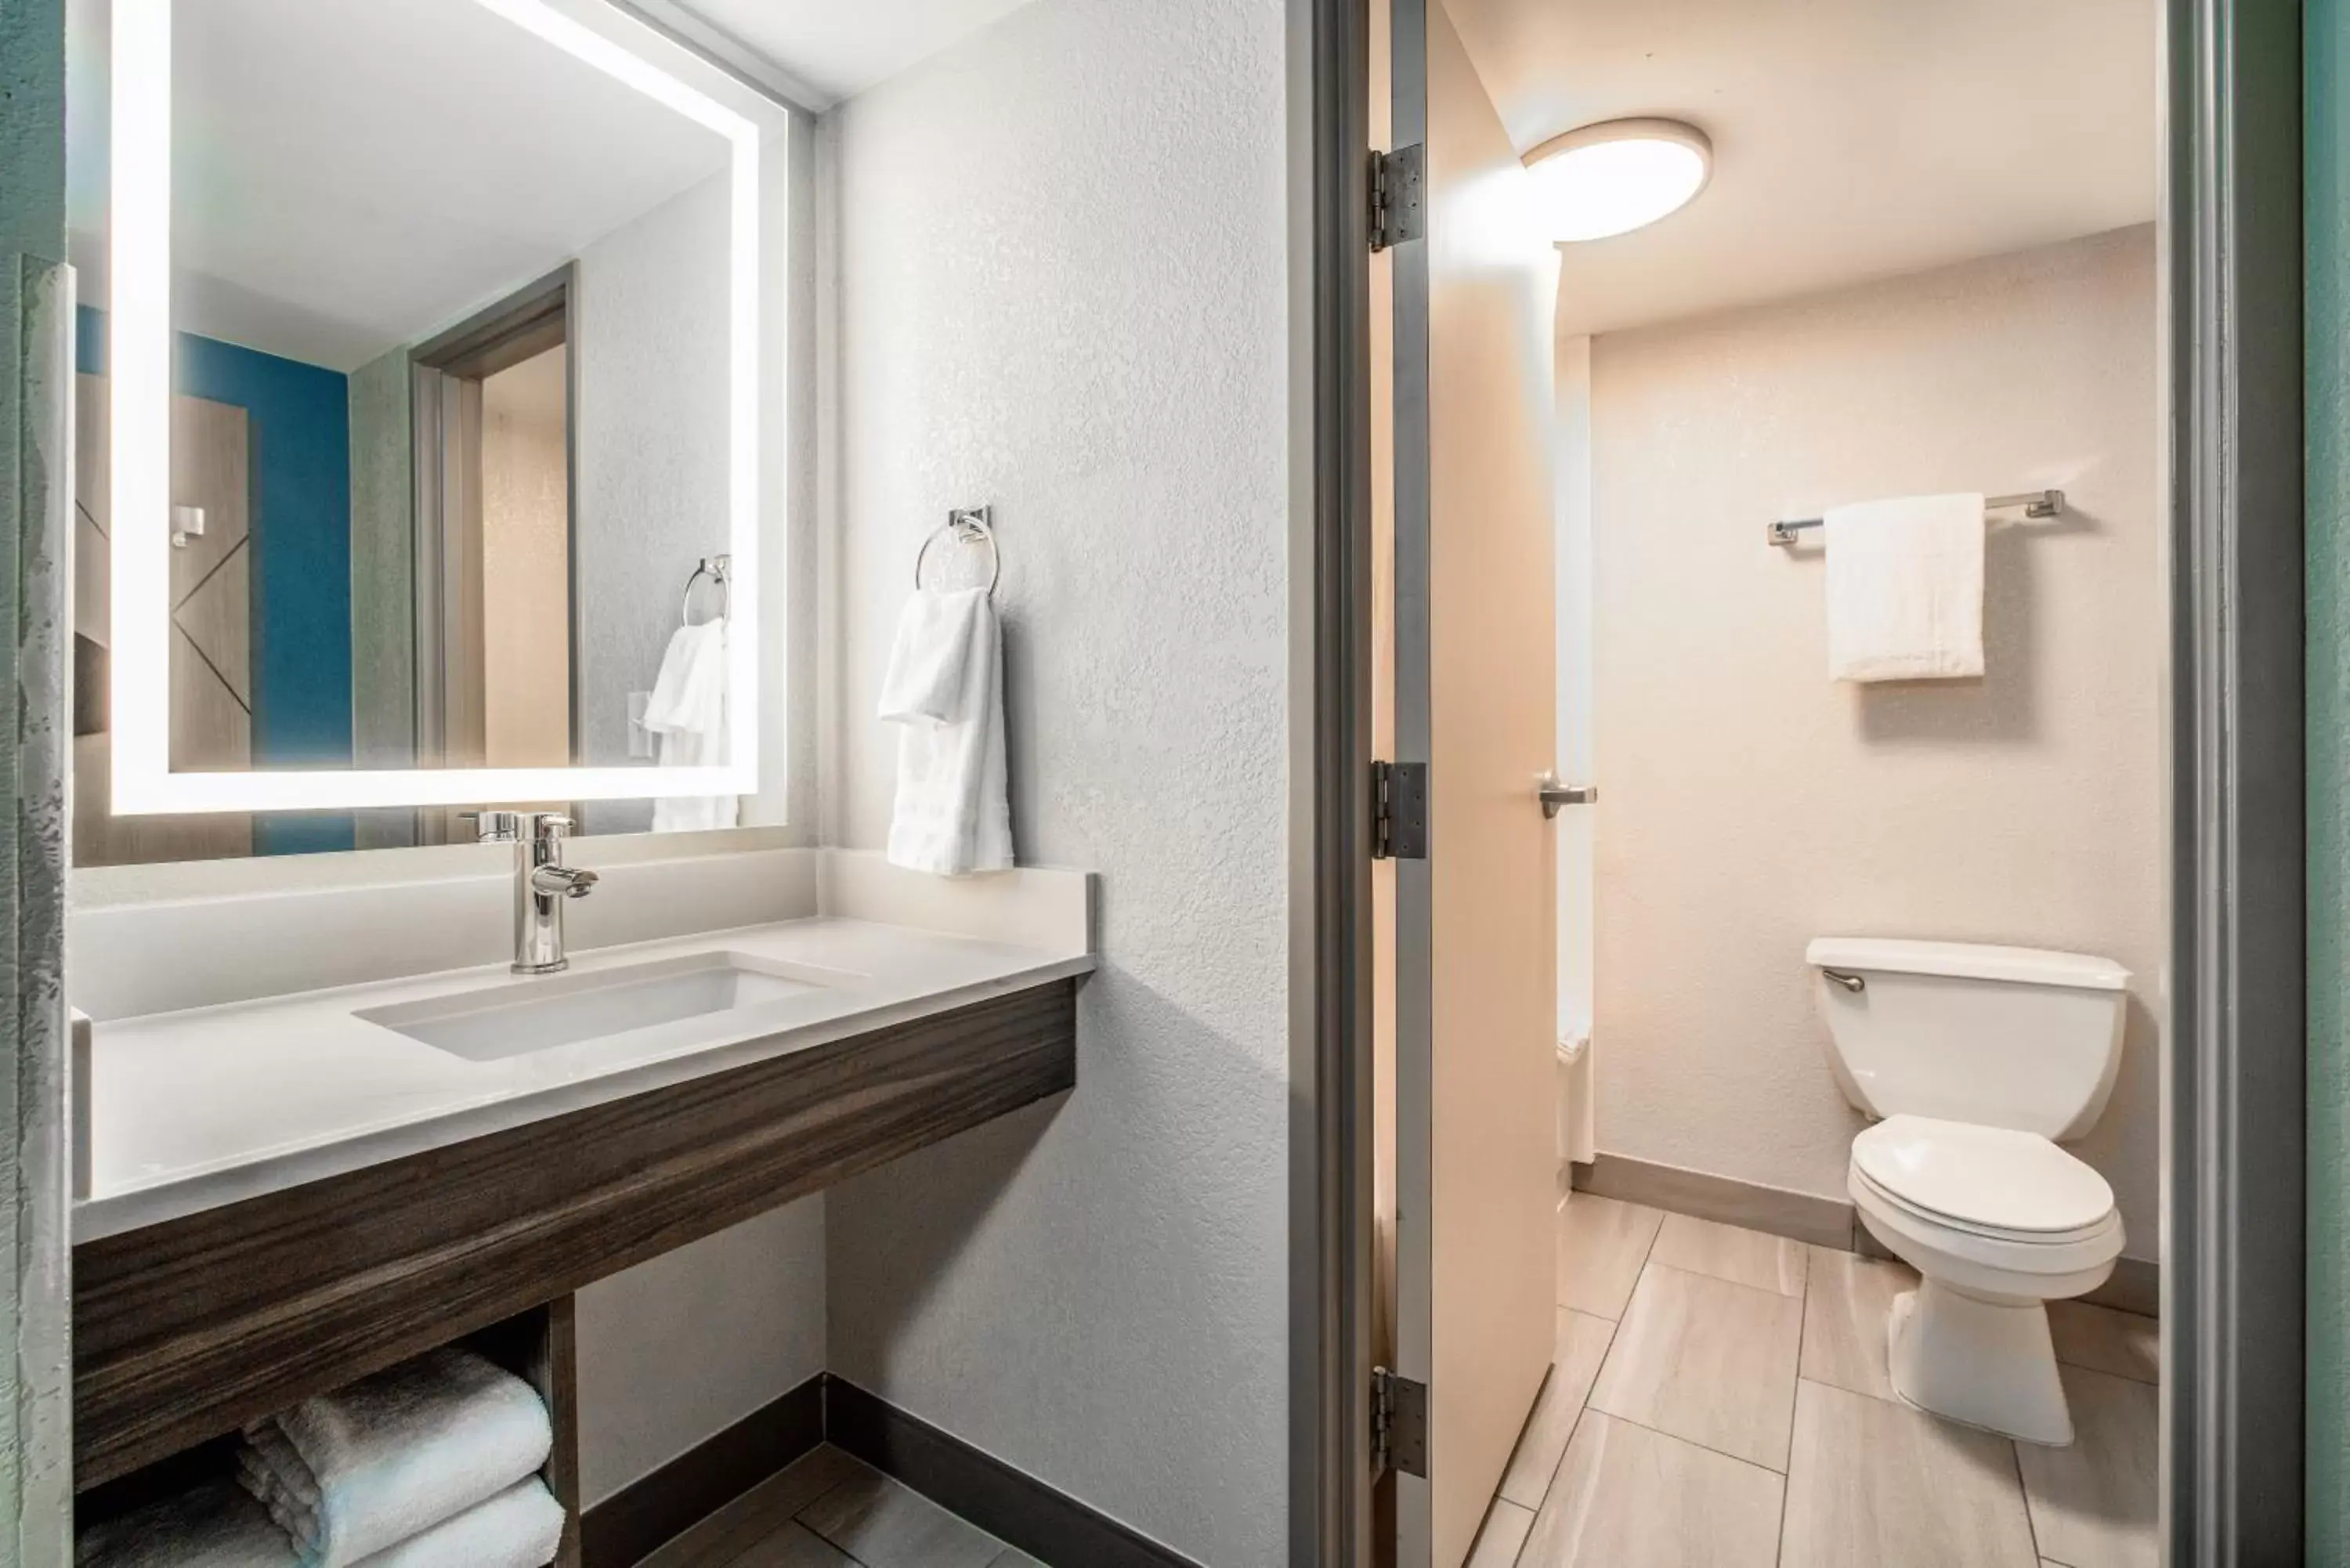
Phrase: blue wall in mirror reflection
(298, 417)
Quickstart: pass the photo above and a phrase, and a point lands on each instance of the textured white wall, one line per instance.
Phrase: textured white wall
(383, 585)
(1750, 805)
(653, 457)
(677, 1349)
(1062, 284)
(652, 453)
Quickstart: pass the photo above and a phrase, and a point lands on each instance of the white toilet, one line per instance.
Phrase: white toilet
(1978, 1062)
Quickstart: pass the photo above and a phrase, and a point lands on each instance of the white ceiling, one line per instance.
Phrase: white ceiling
(353, 174)
(841, 49)
(1853, 138)
(349, 175)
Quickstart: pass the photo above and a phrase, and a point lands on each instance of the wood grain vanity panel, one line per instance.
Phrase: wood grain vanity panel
(555, 1371)
(541, 1346)
(185, 1329)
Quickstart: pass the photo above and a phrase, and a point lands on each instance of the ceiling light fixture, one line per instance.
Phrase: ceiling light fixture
(1618, 175)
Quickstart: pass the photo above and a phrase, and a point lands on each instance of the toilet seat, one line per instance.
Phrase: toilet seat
(2001, 1214)
(1986, 1263)
(1861, 1184)
(1994, 1182)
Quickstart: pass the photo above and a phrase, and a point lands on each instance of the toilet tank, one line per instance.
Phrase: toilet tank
(2007, 1037)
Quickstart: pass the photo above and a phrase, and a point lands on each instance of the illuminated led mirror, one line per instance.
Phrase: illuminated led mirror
(417, 377)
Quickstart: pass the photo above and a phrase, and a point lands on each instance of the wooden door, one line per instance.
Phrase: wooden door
(212, 629)
(1476, 953)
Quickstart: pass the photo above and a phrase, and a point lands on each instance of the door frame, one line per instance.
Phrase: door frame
(2235, 1055)
(1331, 1131)
(445, 377)
(2233, 1350)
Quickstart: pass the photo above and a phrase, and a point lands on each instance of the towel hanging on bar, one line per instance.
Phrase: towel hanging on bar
(1905, 588)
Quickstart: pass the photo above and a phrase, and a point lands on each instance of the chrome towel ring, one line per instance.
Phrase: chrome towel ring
(719, 569)
(966, 525)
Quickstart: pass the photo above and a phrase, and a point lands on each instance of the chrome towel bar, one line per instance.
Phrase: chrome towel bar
(2034, 503)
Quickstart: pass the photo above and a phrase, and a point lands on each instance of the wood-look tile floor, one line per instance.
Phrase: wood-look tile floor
(829, 1510)
(1720, 1397)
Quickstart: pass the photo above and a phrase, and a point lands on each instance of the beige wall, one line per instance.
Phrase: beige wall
(1750, 804)
(526, 567)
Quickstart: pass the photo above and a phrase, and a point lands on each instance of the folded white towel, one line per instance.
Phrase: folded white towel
(686, 714)
(944, 690)
(215, 1525)
(1906, 588)
(352, 1473)
(522, 1527)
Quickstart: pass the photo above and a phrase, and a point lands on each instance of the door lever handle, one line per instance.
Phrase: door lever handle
(1554, 795)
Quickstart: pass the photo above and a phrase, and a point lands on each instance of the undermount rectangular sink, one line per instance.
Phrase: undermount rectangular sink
(540, 1014)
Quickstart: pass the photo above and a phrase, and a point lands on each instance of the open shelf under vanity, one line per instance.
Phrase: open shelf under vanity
(189, 1328)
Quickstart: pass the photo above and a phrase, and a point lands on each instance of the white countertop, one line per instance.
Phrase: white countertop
(206, 1106)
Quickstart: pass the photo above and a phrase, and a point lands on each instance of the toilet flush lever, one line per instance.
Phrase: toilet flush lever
(1852, 982)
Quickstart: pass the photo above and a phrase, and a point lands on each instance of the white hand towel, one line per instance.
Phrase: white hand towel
(944, 690)
(215, 1525)
(686, 714)
(930, 657)
(522, 1527)
(352, 1473)
(1906, 588)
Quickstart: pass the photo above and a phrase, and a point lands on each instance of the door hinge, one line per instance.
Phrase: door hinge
(1398, 1423)
(1400, 811)
(1398, 211)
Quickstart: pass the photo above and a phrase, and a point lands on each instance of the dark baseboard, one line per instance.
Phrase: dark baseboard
(1015, 1507)
(2135, 1285)
(622, 1530)
(1701, 1195)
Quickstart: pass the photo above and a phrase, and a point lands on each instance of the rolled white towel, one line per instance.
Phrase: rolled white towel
(350, 1473)
(215, 1525)
(522, 1527)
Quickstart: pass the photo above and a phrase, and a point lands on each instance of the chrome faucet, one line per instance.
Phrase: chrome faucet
(542, 884)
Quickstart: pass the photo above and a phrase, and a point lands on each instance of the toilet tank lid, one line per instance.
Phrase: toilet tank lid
(1966, 960)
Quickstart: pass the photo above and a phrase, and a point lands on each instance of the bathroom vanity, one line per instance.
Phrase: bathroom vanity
(289, 1192)
(428, 552)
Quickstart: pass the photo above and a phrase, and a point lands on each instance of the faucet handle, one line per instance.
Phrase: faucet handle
(563, 881)
(551, 824)
(495, 826)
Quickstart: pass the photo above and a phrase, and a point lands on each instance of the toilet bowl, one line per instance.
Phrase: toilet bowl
(2030, 1225)
(1977, 1061)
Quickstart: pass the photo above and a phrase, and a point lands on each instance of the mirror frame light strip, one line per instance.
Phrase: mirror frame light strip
(140, 397)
